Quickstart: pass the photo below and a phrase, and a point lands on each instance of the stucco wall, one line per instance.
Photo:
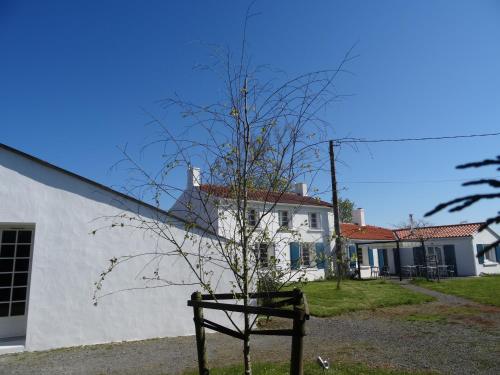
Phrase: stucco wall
(222, 217)
(67, 259)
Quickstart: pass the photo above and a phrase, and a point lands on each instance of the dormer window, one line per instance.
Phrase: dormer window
(314, 220)
(252, 217)
(284, 220)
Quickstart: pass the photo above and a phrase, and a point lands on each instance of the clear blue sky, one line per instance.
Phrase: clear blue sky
(75, 76)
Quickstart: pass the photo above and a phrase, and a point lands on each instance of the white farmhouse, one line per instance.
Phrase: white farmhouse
(299, 227)
(49, 261)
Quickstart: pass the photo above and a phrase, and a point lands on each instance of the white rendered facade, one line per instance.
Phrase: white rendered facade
(309, 226)
(61, 210)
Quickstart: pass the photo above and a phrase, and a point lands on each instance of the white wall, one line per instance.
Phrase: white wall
(67, 260)
(222, 217)
(299, 231)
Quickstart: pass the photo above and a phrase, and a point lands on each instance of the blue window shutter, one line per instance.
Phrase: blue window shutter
(497, 253)
(370, 256)
(320, 255)
(380, 253)
(479, 248)
(294, 255)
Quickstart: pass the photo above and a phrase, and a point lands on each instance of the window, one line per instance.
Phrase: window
(262, 254)
(252, 218)
(15, 251)
(308, 254)
(313, 220)
(490, 254)
(283, 219)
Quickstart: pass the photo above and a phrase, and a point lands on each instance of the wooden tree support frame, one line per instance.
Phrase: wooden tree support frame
(299, 314)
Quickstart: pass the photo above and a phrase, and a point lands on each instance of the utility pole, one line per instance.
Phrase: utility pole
(336, 216)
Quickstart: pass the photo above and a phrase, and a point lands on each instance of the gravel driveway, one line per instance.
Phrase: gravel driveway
(451, 336)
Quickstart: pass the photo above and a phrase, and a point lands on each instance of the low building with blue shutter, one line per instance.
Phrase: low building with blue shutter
(456, 245)
(453, 250)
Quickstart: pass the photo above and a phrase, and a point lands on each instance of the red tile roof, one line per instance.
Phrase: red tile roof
(266, 196)
(366, 232)
(439, 231)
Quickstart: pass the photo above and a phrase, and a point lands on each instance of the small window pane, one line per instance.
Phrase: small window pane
(17, 308)
(24, 236)
(5, 294)
(7, 251)
(6, 265)
(4, 309)
(23, 251)
(5, 279)
(22, 264)
(21, 279)
(19, 294)
(9, 236)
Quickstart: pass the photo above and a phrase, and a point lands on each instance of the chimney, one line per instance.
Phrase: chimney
(193, 177)
(301, 189)
(358, 216)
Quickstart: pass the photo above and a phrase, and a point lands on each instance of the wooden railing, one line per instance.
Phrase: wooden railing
(299, 314)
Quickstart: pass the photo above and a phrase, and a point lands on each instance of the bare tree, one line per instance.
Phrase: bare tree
(416, 230)
(461, 203)
(259, 138)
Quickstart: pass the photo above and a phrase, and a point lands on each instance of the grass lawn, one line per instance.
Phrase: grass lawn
(484, 289)
(325, 300)
(309, 369)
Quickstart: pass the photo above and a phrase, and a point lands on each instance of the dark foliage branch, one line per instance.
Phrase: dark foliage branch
(461, 203)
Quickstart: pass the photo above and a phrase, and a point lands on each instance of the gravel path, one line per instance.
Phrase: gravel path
(464, 340)
(441, 297)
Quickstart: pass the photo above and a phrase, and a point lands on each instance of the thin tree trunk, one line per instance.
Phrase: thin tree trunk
(246, 346)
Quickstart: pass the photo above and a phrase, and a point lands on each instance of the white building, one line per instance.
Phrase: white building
(299, 227)
(456, 245)
(50, 260)
(382, 250)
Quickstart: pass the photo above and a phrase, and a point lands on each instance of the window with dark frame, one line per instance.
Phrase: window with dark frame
(15, 252)
(308, 254)
(252, 217)
(313, 220)
(262, 254)
(283, 219)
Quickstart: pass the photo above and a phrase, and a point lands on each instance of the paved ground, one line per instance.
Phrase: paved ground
(451, 336)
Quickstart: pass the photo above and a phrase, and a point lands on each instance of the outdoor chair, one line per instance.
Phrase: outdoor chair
(385, 272)
(451, 271)
(374, 272)
(443, 271)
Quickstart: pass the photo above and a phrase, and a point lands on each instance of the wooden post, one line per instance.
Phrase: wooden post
(296, 362)
(358, 251)
(200, 335)
(336, 214)
(399, 259)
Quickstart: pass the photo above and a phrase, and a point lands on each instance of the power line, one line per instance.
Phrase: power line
(416, 181)
(362, 140)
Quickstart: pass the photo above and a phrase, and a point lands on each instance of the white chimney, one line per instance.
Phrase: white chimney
(193, 177)
(301, 189)
(358, 216)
